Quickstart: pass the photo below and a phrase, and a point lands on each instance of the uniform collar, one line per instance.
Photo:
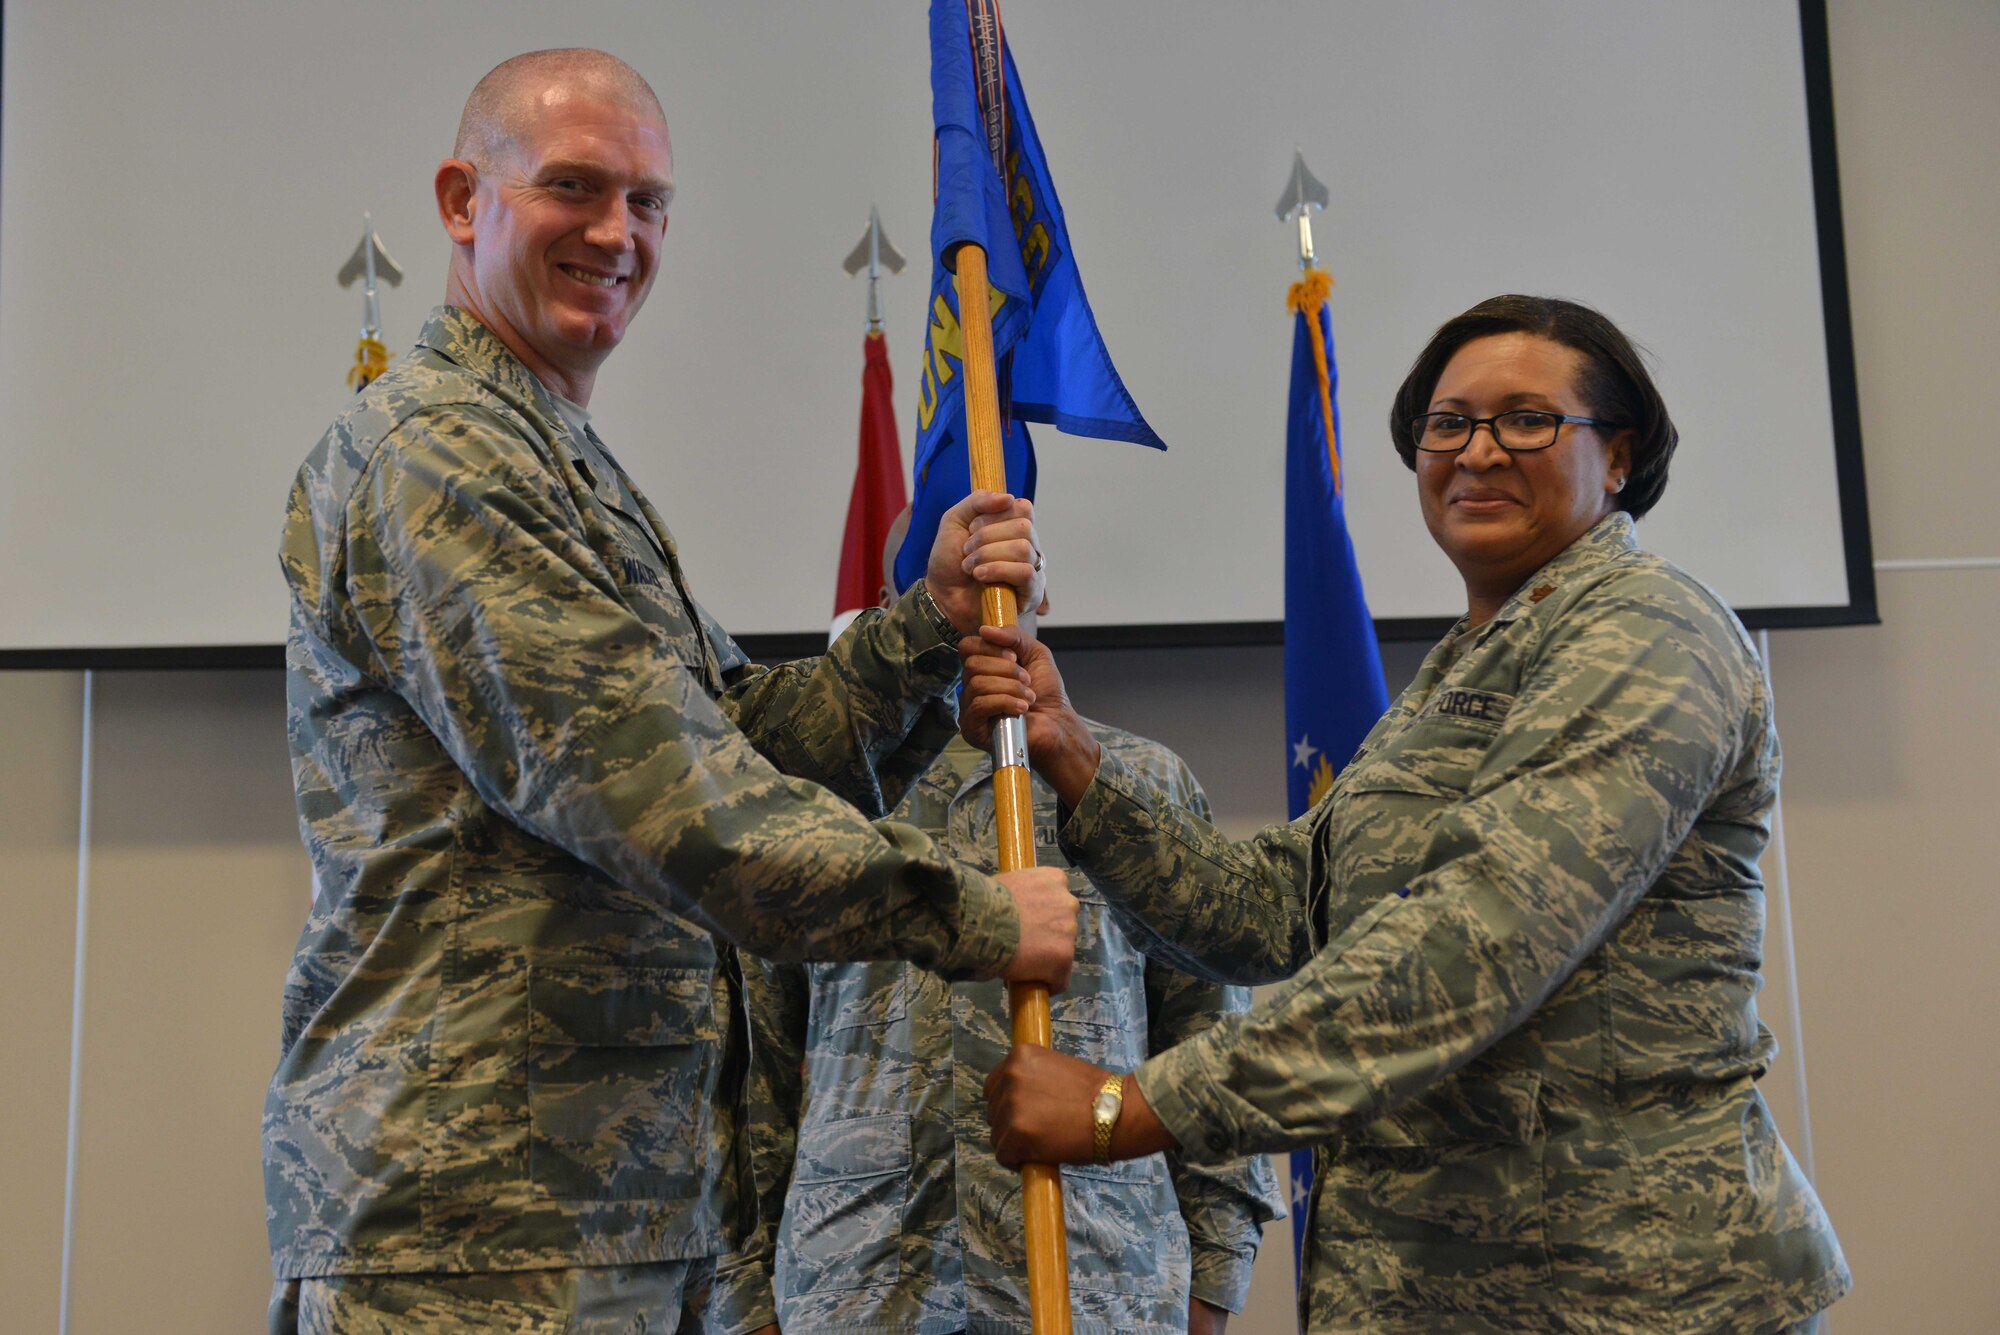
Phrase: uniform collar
(1609, 538)
(967, 767)
(455, 334)
(1606, 540)
(962, 767)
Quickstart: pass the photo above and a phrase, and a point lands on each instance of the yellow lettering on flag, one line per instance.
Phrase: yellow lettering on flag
(944, 347)
(1033, 236)
(1035, 249)
(1021, 205)
(944, 337)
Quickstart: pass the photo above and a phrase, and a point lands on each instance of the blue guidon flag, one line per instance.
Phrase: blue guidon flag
(993, 190)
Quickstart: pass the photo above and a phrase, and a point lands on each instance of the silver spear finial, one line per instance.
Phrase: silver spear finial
(1303, 194)
(874, 253)
(370, 262)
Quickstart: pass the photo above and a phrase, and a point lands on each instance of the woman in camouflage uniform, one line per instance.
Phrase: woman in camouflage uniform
(1521, 935)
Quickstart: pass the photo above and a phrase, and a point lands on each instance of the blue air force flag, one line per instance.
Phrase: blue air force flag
(1334, 691)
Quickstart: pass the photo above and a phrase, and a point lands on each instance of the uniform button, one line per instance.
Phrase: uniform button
(1217, 1141)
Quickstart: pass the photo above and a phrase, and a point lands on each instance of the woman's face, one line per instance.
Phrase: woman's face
(1500, 516)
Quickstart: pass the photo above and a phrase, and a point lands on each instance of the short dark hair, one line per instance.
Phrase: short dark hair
(1614, 382)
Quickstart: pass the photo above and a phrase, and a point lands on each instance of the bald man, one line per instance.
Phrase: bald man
(544, 793)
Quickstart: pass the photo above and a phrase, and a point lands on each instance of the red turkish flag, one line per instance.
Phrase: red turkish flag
(878, 495)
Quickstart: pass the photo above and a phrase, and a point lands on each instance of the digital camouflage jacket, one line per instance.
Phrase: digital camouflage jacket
(1522, 936)
(539, 786)
(884, 1208)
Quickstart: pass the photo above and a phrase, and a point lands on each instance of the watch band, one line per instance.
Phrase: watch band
(942, 624)
(1103, 1119)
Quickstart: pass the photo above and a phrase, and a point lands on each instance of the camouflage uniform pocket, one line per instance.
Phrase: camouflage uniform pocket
(1125, 1229)
(863, 996)
(1449, 1190)
(1379, 825)
(1115, 1047)
(843, 1216)
(1432, 757)
(622, 1065)
(438, 1304)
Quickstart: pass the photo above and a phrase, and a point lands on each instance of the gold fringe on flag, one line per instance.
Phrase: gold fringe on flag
(1306, 297)
(371, 359)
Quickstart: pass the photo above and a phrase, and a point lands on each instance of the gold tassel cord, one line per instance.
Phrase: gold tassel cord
(371, 359)
(1306, 297)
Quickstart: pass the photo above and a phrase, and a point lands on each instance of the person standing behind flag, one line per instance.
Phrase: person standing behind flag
(1522, 934)
(884, 1209)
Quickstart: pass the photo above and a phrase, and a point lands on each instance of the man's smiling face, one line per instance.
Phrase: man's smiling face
(565, 231)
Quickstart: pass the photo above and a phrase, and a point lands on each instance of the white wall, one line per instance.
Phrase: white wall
(197, 885)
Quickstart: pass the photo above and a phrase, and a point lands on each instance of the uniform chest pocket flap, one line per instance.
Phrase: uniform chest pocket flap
(622, 1066)
(1435, 756)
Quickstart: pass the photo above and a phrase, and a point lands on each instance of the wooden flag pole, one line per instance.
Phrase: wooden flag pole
(1013, 803)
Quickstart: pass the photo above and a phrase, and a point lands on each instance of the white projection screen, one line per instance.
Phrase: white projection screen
(181, 180)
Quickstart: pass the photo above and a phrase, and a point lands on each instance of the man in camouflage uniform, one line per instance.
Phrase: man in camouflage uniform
(537, 783)
(1522, 937)
(884, 1208)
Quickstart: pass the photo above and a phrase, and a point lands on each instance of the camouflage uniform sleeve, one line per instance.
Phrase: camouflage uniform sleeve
(1624, 725)
(867, 717)
(479, 602)
(779, 1000)
(1224, 1206)
(1230, 912)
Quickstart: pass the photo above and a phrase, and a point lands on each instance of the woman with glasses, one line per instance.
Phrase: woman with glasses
(1520, 936)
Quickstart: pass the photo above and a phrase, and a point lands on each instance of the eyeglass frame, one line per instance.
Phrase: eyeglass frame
(1492, 425)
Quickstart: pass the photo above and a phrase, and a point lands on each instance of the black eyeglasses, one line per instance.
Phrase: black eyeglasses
(1521, 431)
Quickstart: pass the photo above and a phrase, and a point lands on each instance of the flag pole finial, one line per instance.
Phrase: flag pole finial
(874, 253)
(370, 265)
(1303, 193)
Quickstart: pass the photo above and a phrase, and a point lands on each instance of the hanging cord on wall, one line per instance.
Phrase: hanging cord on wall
(1795, 1041)
(76, 1006)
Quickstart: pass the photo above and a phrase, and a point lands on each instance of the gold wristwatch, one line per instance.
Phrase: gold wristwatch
(1104, 1114)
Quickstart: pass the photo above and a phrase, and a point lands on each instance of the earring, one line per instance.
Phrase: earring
(1619, 485)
